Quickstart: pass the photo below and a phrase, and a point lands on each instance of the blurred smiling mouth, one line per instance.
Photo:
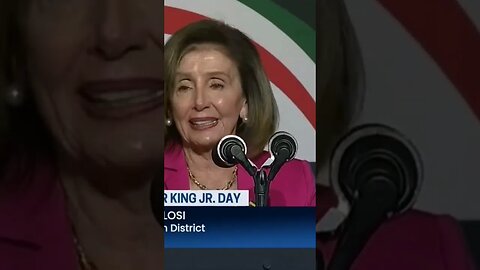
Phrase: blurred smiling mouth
(122, 98)
(125, 98)
(203, 123)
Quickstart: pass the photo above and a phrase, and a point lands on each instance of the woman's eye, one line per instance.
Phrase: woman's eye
(217, 86)
(216, 83)
(182, 88)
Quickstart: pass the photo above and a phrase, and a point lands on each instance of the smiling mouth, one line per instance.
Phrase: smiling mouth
(125, 97)
(122, 98)
(202, 124)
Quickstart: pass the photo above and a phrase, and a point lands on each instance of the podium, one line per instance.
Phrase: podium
(240, 259)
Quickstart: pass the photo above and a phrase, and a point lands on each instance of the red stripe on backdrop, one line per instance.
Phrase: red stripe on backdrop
(276, 71)
(446, 32)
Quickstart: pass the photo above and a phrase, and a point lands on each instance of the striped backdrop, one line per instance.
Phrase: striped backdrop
(422, 61)
(286, 45)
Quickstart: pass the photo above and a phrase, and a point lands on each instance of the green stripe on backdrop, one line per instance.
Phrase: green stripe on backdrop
(301, 33)
(302, 9)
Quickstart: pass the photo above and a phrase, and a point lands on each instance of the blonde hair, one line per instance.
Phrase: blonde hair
(7, 28)
(21, 129)
(262, 107)
(340, 75)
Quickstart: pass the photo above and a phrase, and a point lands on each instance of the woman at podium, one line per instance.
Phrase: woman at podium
(216, 86)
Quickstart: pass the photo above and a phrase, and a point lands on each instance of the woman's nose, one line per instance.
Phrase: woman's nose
(121, 28)
(201, 99)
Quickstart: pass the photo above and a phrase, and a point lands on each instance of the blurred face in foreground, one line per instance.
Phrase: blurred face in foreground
(96, 70)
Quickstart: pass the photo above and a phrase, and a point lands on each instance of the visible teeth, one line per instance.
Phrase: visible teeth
(204, 123)
(125, 97)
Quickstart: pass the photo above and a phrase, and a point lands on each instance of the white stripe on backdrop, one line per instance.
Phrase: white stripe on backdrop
(265, 33)
(280, 46)
(407, 90)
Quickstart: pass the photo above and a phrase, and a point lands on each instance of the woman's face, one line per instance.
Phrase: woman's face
(96, 70)
(207, 99)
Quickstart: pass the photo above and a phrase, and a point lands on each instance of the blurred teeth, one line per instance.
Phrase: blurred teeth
(127, 97)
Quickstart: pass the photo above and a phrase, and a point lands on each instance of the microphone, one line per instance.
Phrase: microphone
(379, 172)
(320, 263)
(232, 150)
(156, 195)
(283, 147)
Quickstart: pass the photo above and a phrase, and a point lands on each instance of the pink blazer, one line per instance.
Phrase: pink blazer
(414, 240)
(294, 184)
(34, 229)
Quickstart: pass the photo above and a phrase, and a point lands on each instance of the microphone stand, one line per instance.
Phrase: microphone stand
(262, 186)
(261, 179)
(232, 150)
(375, 200)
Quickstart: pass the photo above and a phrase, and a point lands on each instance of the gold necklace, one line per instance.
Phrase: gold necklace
(85, 264)
(203, 187)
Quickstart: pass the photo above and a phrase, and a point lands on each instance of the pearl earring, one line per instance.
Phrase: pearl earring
(168, 122)
(14, 96)
(245, 119)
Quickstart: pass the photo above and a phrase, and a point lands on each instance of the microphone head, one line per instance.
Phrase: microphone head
(283, 141)
(371, 150)
(156, 195)
(222, 154)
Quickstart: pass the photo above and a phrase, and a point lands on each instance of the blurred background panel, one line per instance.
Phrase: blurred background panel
(421, 78)
(422, 64)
